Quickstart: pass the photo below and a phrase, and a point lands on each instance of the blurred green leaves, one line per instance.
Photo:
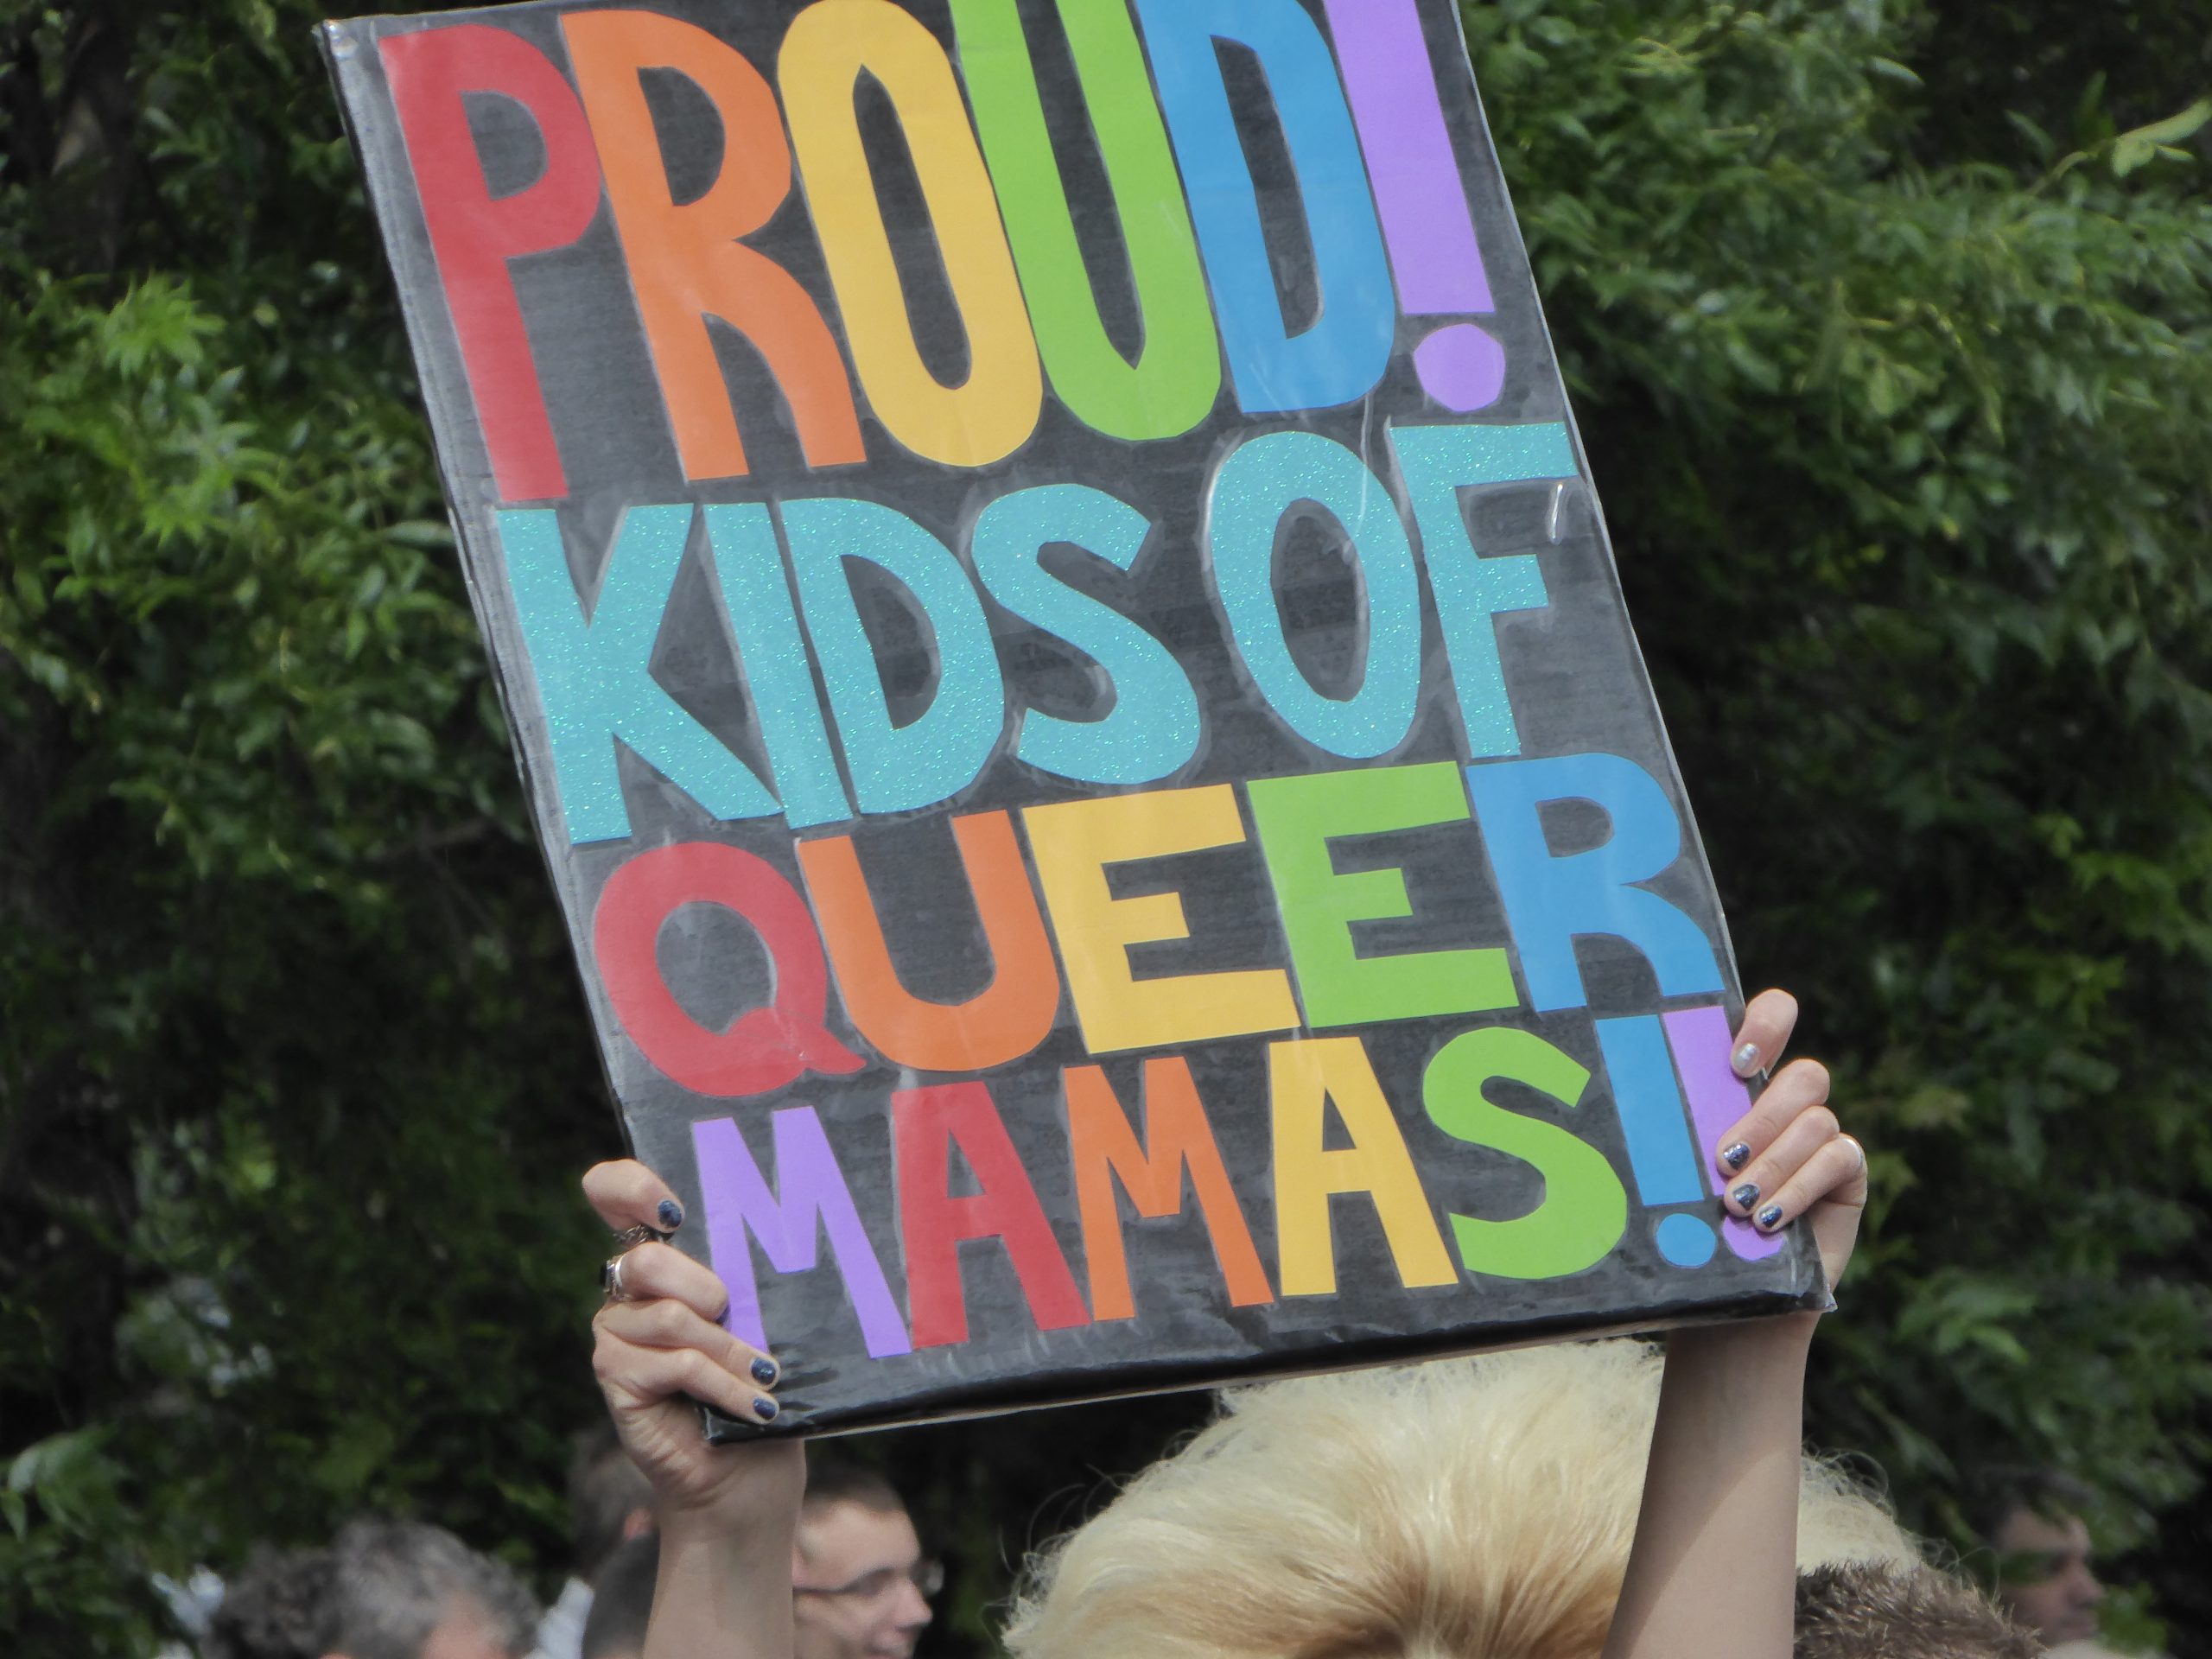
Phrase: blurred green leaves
(293, 1078)
(1904, 455)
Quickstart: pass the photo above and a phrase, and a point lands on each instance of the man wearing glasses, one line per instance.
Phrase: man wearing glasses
(860, 1588)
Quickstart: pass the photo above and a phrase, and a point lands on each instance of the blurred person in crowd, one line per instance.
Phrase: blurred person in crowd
(860, 1584)
(610, 1502)
(191, 1601)
(622, 1601)
(2031, 1519)
(278, 1608)
(382, 1590)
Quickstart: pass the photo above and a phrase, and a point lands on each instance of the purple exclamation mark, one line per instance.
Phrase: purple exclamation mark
(1425, 222)
(1718, 1098)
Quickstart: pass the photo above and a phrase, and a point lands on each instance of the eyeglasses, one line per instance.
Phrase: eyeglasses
(928, 1577)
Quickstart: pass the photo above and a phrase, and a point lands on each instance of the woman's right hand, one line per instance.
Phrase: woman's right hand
(660, 1352)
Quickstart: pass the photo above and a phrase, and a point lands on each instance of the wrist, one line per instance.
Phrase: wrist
(1780, 1335)
(729, 1522)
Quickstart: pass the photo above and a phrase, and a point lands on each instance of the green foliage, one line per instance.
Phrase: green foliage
(1905, 465)
(1894, 369)
(292, 1093)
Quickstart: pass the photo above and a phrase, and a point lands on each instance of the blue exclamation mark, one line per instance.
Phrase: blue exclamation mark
(1656, 1127)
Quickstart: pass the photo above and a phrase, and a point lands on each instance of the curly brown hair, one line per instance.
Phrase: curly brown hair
(1866, 1612)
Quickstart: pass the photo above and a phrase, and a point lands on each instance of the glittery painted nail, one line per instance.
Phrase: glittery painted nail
(764, 1408)
(1737, 1156)
(764, 1371)
(1770, 1217)
(1746, 1195)
(1745, 1059)
(671, 1215)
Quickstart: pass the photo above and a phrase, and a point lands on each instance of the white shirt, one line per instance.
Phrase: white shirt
(560, 1633)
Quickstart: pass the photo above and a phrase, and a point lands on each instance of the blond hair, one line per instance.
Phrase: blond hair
(1477, 1509)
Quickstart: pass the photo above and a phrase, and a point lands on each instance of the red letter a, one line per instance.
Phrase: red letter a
(926, 1122)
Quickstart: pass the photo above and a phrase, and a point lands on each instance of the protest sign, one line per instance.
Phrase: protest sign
(1072, 681)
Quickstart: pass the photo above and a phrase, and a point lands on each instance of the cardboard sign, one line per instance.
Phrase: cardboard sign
(1071, 680)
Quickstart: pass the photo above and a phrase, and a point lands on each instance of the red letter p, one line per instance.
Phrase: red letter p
(473, 235)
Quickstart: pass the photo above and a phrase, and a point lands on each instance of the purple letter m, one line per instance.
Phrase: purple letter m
(814, 1199)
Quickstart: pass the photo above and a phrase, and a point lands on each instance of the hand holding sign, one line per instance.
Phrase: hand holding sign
(727, 1515)
(1786, 1157)
(659, 1349)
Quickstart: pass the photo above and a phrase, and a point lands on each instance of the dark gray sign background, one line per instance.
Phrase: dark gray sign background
(1576, 679)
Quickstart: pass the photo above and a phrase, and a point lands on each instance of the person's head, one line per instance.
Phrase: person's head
(1862, 1612)
(382, 1590)
(1459, 1508)
(622, 1602)
(403, 1590)
(860, 1586)
(278, 1608)
(610, 1501)
(2031, 1521)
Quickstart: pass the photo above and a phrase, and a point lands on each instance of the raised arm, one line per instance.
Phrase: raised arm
(727, 1514)
(1715, 1564)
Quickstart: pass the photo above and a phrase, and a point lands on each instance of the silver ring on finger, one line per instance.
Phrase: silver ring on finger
(610, 1279)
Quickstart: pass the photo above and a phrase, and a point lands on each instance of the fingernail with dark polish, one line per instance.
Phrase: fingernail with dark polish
(1745, 1059)
(764, 1371)
(1737, 1156)
(764, 1408)
(1770, 1217)
(671, 1215)
(1746, 1195)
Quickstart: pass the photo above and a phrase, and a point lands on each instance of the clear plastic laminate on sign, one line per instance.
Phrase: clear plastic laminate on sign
(1072, 681)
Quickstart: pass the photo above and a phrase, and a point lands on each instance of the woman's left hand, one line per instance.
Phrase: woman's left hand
(1788, 1156)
